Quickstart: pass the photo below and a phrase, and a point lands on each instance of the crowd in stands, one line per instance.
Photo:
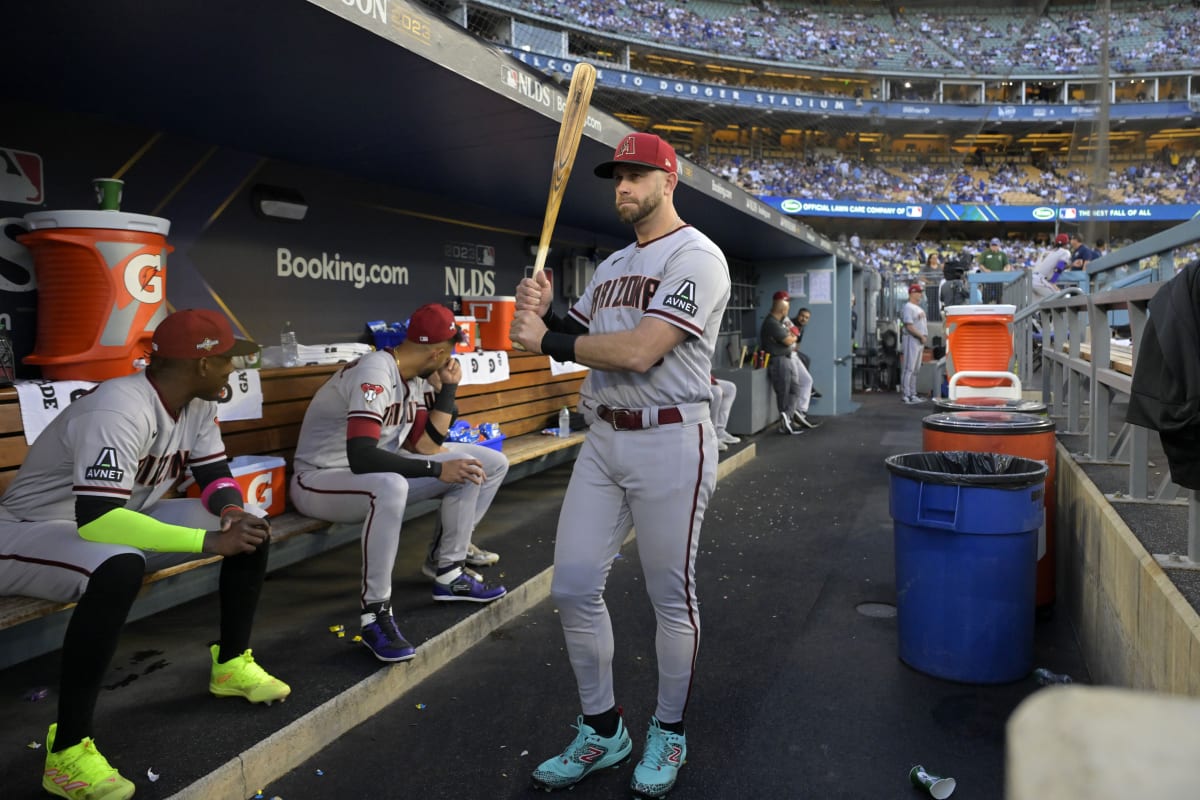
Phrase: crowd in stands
(909, 258)
(1163, 181)
(1144, 37)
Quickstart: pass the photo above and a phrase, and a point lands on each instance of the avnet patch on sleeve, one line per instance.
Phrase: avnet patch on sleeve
(683, 298)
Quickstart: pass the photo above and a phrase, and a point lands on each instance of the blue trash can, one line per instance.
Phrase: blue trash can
(966, 529)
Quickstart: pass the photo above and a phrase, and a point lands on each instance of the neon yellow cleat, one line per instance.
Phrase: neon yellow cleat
(81, 773)
(242, 677)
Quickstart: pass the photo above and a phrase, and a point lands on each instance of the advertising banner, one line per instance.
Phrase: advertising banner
(980, 212)
(752, 98)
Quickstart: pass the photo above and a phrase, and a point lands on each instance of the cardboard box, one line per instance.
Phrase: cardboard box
(261, 479)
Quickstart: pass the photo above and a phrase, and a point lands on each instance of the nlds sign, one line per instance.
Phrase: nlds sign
(470, 281)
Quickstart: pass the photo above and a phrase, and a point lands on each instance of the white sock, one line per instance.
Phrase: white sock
(449, 577)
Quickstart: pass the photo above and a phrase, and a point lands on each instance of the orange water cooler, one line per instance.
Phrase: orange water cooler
(979, 340)
(1014, 434)
(101, 286)
(494, 316)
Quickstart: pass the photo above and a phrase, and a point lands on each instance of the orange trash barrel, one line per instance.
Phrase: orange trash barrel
(979, 338)
(101, 286)
(990, 404)
(1014, 434)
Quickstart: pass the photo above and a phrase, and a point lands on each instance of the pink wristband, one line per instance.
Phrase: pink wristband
(218, 485)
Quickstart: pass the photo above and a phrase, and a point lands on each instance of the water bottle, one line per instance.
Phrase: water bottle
(564, 423)
(287, 342)
(1045, 677)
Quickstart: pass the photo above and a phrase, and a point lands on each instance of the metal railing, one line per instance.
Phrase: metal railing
(1085, 372)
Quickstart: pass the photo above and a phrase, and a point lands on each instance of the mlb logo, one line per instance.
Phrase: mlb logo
(21, 178)
(1068, 213)
(487, 255)
(508, 76)
(913, 212)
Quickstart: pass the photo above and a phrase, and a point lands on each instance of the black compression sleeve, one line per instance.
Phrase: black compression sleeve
(88, 508)
(206, 474)
(364, 456)
(567, 324)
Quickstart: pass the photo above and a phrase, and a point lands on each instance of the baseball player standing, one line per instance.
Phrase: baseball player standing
(84, 520)
(791, 381)
(916, 329)
(647, 325)
(351, 466)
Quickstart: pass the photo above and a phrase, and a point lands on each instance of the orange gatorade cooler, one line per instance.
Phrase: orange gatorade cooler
(261, 480)
(979, 338)
(494, 316)
(101, 285)
(1009, 433)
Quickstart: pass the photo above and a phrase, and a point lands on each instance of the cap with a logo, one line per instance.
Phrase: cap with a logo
(644, 149)
(781, 295)
(198, 333)
(915, 287)
(432, 323)
(995, 241)
(1062, 238)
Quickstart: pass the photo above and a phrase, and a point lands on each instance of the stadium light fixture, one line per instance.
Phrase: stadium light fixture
(277, 202)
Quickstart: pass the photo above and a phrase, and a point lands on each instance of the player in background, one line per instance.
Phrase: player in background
(369, 445)
(647, 326)
(791, 381)
(721, 394)
(84, 520)
(1047, 269)
(914, 331)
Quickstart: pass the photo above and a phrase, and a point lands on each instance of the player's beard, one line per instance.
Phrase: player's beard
(644, 208)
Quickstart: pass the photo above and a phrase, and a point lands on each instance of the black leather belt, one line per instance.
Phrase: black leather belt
(630, 419)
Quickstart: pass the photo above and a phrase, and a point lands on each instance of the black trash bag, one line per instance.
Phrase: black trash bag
(963, 468)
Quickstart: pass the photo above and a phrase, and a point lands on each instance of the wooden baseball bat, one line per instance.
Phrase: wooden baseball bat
(583, 79)
(579, 94)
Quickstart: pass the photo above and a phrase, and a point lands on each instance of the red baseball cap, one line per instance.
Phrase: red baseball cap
(432, 323)
(781, 295)
(645, 149)
(1062, 238)
(198, 333)
(915, 287)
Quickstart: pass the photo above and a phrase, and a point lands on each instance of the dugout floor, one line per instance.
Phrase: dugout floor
(797, 693)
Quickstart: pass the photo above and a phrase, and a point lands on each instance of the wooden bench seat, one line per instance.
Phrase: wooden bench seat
(1120, 356)
(523, 406)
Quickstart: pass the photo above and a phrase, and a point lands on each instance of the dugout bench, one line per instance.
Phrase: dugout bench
(521, 405)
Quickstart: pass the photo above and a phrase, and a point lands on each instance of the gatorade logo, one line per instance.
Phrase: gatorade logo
(260, 490)
(144, 278)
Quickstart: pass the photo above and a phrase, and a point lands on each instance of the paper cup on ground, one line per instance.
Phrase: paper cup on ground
(935, 786)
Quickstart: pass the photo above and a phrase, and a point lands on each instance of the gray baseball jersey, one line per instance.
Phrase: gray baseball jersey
(119, 443)
(369, 390)
(681, 278)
